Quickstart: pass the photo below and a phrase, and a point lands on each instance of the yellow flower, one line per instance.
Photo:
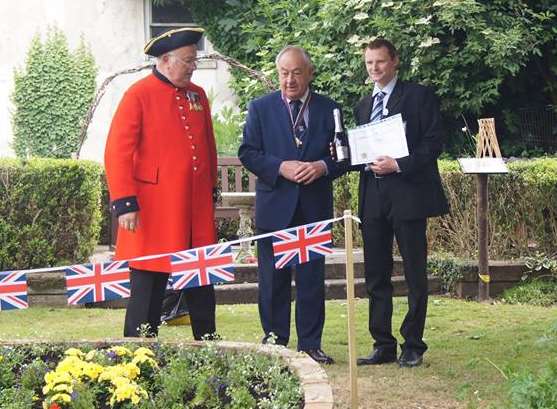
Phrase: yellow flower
(91, 355)
(1, 358)
(121, 351)
(140, 359)
(74, 352)
(62, 387)
(142, 351)
(92, 370)
(61, 398)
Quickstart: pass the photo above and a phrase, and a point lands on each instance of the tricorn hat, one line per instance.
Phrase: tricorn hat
(172, 40)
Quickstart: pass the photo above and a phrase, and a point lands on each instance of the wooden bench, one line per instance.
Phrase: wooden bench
(232, 177)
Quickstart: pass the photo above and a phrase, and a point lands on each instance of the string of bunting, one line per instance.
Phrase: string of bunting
(213, 264)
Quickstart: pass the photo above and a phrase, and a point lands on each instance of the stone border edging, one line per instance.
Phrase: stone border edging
(318, 393)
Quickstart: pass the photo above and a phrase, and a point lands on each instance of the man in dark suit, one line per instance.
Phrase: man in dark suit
(396, 196)
(285, 144)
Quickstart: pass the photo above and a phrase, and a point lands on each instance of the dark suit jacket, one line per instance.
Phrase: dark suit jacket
(416, 192)
(268, 140)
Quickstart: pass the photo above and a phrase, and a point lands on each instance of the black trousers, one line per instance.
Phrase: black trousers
(145, 304)
(378, 233)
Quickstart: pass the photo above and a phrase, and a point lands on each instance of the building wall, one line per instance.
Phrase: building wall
(116, 32)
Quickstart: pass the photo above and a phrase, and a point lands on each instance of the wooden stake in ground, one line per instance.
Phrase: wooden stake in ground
(487, 147)
(351, 313)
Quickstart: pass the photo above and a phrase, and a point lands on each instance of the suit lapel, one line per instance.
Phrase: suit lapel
(365, 110)
(395, 98)
(284, 122)
(312, 122)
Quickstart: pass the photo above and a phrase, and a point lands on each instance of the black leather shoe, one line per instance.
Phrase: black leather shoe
(319, 356)
(378, 357)
(410, 359)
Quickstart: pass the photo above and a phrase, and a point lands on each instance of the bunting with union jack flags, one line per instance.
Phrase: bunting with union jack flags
(86, 283)
(302, 244)
(13, 290)
(202, 266)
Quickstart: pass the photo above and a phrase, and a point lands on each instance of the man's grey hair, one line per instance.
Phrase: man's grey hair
(298, 49)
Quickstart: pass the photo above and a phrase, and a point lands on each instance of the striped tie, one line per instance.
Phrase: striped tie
(377, 111)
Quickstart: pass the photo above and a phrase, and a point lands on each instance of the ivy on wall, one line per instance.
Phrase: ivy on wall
(51, 96)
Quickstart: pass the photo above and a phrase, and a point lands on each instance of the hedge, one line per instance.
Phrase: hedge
(522, 210)
(49, 212)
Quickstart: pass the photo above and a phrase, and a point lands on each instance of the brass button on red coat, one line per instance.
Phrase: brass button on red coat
(183, 117)
(195, 158)
(187, 128)
(193, 147)
(177, 97)
(195, 168)
(180, 107)
(190, 137)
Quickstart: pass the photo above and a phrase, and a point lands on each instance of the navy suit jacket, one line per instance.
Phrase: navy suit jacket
(268, 140)
(416, 192)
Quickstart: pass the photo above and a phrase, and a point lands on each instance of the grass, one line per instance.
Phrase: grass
(472, 347)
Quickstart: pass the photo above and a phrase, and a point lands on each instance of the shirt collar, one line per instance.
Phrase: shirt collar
(302, 99)
(387, 89)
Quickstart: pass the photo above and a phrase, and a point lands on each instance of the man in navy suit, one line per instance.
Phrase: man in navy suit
(285, 144)
(396, 196)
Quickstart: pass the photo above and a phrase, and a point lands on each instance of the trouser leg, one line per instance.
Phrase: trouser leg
(412, 243)
(377, 236)
(201, 306)
(145, 302)
(310, 303)
(274, 293)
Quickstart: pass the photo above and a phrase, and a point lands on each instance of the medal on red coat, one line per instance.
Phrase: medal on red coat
(194, 100)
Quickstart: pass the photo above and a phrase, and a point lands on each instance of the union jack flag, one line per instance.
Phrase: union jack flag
(202, 266)
(87, 283)
(301, 244)
(13, 290)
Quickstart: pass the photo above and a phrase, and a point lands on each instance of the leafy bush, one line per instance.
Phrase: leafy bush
(522, 210)
(535, 292)
(227, 125)
(535, 391)
(161, 376)
(466, 49)
(51, 97)
(49, 212)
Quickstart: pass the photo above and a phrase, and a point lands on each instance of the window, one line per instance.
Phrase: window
(161, 18)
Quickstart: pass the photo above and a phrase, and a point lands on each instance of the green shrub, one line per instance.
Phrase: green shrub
(535, 391)
(522, 210)
(49, 212)
(51, 97)
(534, 292)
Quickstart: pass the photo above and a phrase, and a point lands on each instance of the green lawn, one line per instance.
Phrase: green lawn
(470, 344)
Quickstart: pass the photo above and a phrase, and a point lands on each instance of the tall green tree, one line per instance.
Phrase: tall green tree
(51, 96)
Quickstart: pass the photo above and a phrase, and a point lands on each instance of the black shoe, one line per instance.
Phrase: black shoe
(319, 356)
(410, 359)
(378, 357)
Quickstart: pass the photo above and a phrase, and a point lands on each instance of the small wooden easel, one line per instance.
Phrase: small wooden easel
(487, 161)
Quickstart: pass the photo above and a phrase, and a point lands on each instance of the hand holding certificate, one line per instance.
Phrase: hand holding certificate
(384, 138)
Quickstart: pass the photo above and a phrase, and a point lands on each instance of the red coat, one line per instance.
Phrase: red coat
(161, 150)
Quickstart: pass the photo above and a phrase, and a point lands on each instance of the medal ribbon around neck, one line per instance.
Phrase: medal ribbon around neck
(298, 119)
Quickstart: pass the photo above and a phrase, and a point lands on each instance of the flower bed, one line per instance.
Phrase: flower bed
(144, 375)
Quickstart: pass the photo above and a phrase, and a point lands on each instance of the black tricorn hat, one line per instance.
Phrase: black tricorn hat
(172, 40)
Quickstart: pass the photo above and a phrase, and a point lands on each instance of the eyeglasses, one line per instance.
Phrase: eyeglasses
(183, 61)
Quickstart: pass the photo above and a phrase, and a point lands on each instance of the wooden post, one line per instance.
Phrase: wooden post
(483, 228)
(351, 312)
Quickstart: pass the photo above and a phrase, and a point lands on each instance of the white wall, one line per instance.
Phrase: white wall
(115, 30)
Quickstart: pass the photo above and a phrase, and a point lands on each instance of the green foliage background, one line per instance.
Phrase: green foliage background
(484, 58)
(51, 96)
(49, 212)
(522, 210)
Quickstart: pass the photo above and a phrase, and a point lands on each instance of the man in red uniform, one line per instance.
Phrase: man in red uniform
(161, 167)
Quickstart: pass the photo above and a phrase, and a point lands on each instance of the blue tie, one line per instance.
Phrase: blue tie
(377, 111)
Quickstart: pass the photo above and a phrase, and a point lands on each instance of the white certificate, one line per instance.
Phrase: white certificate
(383, 138)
